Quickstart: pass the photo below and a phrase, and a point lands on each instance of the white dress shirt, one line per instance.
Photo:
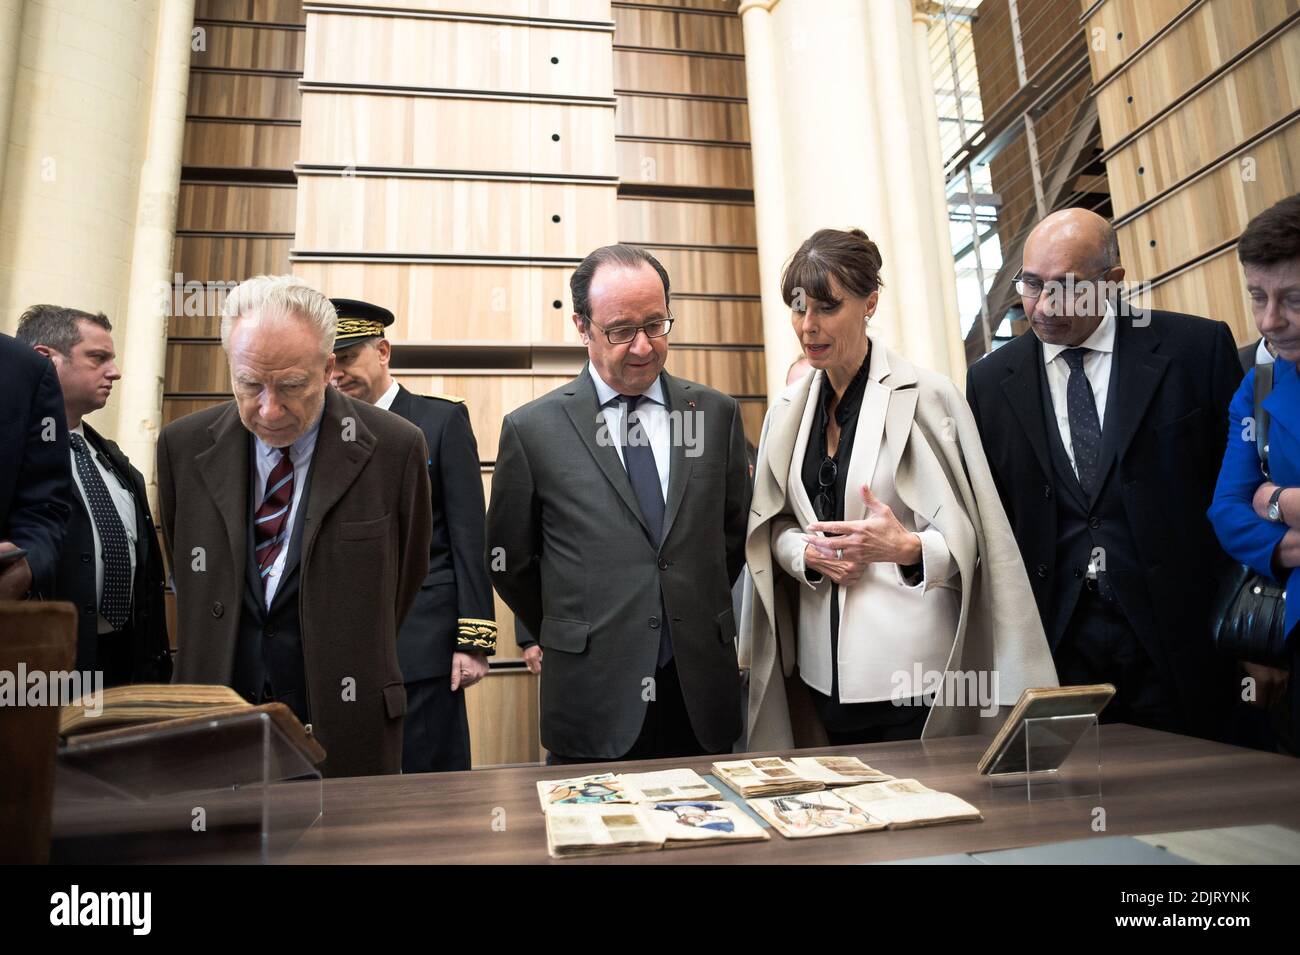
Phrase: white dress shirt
(124, 501)
(1262, 355)
(385, 400)
(1096, 365)
(653, 414)
(265, 459)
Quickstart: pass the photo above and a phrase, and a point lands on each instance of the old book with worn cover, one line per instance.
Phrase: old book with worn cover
(624, 788)
(703, 822)
(804, 815)
(146, 703)
(1006, 754)
(584, 830)
(774, 776)
(907, 804)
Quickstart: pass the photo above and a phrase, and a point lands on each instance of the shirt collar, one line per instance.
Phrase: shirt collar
(301, 450)
(1262, 355)
(1102, 339)
(386, 399)
(605, 394)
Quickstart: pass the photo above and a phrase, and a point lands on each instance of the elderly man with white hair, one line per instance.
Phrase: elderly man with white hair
(297, 527)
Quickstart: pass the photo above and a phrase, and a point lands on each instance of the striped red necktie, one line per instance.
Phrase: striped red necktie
(272, 517)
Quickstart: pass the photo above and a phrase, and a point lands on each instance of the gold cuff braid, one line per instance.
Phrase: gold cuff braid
(476, 634)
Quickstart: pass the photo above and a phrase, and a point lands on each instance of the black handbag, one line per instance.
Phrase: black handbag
(1250, 609)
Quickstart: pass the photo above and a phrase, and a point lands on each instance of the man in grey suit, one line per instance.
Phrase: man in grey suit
(616, 529)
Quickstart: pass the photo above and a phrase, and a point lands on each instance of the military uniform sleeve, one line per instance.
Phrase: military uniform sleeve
(462, 488)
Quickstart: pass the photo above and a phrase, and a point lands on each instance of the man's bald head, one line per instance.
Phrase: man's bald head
(1063, 255)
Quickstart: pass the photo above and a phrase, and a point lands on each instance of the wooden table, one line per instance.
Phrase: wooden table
(1151, 782)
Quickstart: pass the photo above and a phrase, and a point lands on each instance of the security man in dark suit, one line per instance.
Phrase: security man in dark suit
(444, 643)
(111, 566)
(1104, 431)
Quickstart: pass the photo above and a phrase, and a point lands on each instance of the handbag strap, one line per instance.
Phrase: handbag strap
(1263, 386)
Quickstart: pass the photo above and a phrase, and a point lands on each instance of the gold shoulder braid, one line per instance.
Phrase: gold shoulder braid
(476, 634)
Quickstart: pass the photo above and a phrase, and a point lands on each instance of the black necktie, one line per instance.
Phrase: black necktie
(643, 472)
(1085, 425)
(115, 601)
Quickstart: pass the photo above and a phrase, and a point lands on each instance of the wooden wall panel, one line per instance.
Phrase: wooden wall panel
(449, 54)
(753, 410)
(1210, 36)
(229, 258)
(196, 367)
(241, 95)
(672, 29)
(249, 47)
(176, 408)
(686, 222)
(1215, 288)
(440, 216)
(1257, 92)
(673, 73)
(730, 370)
(685, 164)
(722, 6)
(229, 207)
(260, 11)
(1117, 28)
(715, 321)
(489, 397)
(1212, 209)
(504, 725)
(706, 272)
(236, 145)
(452, 303)
(674, 118)
(461, 134)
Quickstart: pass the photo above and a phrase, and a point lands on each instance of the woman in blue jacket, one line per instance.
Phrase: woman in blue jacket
(1256, 515)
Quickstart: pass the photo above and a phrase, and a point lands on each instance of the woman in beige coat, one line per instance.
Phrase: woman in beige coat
(888, 599)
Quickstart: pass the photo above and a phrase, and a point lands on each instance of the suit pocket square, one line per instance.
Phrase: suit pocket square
(567, 636)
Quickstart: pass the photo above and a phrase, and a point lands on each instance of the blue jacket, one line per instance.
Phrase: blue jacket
(1245, 535)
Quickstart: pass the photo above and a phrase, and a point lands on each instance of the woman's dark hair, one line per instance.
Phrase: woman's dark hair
(630, 255)
(1272, 236)
(849, 256)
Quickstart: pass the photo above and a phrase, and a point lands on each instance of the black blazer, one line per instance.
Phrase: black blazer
(453, 610)
(151, 652)
(1163, 442)
(36, 487)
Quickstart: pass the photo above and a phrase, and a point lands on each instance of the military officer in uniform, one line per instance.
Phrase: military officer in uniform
(445, 641)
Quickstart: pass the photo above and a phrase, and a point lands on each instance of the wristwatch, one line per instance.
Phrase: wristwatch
(1275, 506)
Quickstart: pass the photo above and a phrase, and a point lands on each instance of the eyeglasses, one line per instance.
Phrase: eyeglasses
(1032, 288)
(824, 502)
(622, 334)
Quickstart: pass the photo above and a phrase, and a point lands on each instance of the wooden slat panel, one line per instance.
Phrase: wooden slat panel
(447, 54)
(668, 29)
(1215, 288)
(174, 408)
(240, 145)
(591, 11)
(229, 258)
(752, 410)
(249, 48)
(449, 303)
(732, 371)
(1118, 27)
(711, 321)
(1200, 44)
(476, 135)
(1257, 92)
(681, 164)
(711, 273)
(1213, 209)
(504, 725)
(726, 6)
(441, 216)
(241, 95)
(488, 397)
(666, 73)
(649, 221)
(209, 207)
(196, 368)
(673, 118)
(257, 11)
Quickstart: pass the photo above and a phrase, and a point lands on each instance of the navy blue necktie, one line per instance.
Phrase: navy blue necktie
(643, 473)
(1085, 425)
(114, 546)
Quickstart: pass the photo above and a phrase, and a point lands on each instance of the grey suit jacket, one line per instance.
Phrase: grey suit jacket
(570, 554)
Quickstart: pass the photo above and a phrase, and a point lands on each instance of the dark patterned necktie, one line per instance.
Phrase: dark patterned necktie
(272, 517)
(114, 546)
(1085, 425)
(643, 472)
